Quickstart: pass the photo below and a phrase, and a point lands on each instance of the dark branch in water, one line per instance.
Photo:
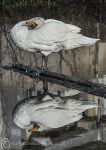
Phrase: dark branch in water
(64, 80)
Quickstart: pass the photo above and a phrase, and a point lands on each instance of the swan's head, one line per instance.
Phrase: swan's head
(23, 122)
(22, 119)
(32, 128)
(35, 22)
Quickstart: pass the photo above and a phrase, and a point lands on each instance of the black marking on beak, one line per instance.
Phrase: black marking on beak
(33, 25)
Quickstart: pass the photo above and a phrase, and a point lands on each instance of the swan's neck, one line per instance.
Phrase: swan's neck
(19, 32)
(43, 127)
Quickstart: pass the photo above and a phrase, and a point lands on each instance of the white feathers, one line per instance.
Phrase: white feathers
(49, 36)
(50, 113)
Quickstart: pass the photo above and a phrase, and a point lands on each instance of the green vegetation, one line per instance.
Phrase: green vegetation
(27, 3)
(59, 9)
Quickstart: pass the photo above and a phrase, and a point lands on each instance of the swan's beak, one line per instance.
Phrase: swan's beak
(31, 24)
(33, 130)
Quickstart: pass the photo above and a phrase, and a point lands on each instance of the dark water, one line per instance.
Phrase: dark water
(91, 146)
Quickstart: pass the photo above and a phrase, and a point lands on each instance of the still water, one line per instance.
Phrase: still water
(91, 146)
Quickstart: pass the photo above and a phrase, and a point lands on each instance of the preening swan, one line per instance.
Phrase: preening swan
(48, 36)
(49, 113)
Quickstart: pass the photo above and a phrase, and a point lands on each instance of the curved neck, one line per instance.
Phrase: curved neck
(19, 31)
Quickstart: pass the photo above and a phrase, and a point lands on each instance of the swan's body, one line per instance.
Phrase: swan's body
(48, 36)
(49, 113)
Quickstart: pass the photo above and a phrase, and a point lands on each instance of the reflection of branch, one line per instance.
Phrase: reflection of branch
(7, 38)
(67, 63)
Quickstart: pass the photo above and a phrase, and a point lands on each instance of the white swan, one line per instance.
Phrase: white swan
(48, 36)
(49, 113)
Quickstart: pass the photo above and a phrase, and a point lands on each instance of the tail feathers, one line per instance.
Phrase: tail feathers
(91, 106)
(88, 41)
(78, 40)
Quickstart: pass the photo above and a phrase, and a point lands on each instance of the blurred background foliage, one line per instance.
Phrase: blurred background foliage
(95, 9)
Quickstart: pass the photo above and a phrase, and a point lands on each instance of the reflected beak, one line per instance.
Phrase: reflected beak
(33, 130)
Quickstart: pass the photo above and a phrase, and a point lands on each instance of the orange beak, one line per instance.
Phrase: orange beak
(31, 23)
(33, 130)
